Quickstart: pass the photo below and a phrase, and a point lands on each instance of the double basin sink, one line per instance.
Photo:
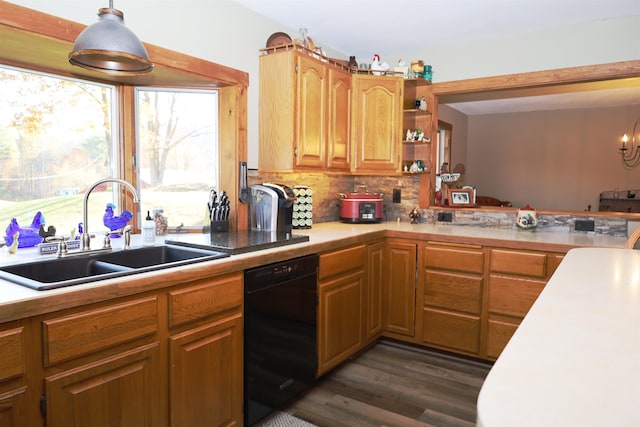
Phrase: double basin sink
(77, 269)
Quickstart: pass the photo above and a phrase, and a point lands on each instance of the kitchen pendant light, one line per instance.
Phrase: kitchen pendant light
(110, 47)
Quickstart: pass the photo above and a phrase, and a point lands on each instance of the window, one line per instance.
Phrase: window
(56, 138)
(177, 152)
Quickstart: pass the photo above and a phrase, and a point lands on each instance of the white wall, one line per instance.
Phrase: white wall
(587, 44)
(559, 159)
(224, 32)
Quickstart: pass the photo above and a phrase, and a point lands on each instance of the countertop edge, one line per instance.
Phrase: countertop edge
(19, 302)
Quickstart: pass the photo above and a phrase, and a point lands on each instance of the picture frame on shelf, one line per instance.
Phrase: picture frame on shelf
(461, 197)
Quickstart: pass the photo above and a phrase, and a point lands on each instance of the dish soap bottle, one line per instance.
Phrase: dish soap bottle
(148, 230)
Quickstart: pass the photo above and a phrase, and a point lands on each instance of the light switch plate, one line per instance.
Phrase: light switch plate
(397, 195)
(585, 225)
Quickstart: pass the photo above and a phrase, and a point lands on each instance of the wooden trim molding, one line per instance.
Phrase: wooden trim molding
(536, 79)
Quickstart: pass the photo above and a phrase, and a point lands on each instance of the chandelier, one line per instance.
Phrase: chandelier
(631, 159)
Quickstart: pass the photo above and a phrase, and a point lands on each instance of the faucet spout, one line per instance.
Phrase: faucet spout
(86, 237)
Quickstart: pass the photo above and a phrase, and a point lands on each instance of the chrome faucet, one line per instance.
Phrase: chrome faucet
(86, 237)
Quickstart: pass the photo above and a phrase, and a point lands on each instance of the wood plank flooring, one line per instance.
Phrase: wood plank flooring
(395, 385)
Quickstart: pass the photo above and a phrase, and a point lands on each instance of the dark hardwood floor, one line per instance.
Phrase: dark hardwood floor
(395, 385)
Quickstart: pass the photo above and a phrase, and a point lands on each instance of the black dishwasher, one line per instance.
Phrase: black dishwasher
(280, 357)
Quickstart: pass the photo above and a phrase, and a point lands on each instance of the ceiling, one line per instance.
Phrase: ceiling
(352, 27)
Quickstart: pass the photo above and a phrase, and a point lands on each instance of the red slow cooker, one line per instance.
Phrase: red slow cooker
(361, 207)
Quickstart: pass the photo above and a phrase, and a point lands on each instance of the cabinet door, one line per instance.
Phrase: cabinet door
(377, 125)
(311, 113)
(13, 389)
(339, 121)
(122, 390)
(341, 319)
(399, 287)
(206, 375)
(374, 297)
(12, 408)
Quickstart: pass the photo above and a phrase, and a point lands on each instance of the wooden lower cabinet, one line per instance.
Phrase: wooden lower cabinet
(13, 382)
(451, 298)
(473, 298)
(206, 374)
(399, 288)
(206, 353)
(103, 365)
(121, 390)
(374, 291)
(342, 317)
(516, 279)
(172, 357)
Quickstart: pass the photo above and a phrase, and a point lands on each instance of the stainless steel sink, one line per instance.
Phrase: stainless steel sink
(57, 273)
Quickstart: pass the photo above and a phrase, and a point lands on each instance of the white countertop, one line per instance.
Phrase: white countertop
(319, 235)
(575, 359)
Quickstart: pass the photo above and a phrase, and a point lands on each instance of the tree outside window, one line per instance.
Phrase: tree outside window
(177, 152)
(55, 140)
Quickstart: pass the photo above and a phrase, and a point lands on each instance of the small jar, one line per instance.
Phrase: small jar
(428, 73)
(160, 222)
(527, 218)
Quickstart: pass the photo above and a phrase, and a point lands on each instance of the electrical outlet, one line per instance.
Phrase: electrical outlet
(445, 217)
(585, 225)
(397, 195)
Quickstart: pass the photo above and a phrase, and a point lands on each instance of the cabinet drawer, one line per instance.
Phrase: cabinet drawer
(460, 292)
(498, 335)
(340, 261)
(454, 258)
(513, 296)
(88, 331)
(204, 298)
(11, 353)
(450, 330)
(517, 262)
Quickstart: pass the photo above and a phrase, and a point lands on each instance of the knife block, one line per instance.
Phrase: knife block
(219, 226)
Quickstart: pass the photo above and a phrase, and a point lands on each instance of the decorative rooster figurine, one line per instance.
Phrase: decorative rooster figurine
(377, 67)
(28, 236)
(114, 222)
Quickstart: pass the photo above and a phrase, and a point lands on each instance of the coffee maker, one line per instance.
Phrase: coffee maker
(271, 208)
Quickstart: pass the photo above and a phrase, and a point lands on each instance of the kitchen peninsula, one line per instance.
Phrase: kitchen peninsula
(574, 361)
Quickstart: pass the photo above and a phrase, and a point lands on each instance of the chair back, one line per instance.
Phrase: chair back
(633, 242)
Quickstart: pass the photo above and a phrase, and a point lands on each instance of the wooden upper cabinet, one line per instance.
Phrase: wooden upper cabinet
(377, 124)
(304, 113)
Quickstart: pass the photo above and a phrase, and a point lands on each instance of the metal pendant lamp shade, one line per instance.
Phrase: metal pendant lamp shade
(110, 47)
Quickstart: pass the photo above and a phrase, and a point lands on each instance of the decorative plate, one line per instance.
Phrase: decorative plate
(277, 39)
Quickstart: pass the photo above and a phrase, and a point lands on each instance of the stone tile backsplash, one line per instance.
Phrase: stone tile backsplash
(326, 203)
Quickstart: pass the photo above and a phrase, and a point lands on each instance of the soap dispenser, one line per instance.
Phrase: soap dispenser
(148, 230)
